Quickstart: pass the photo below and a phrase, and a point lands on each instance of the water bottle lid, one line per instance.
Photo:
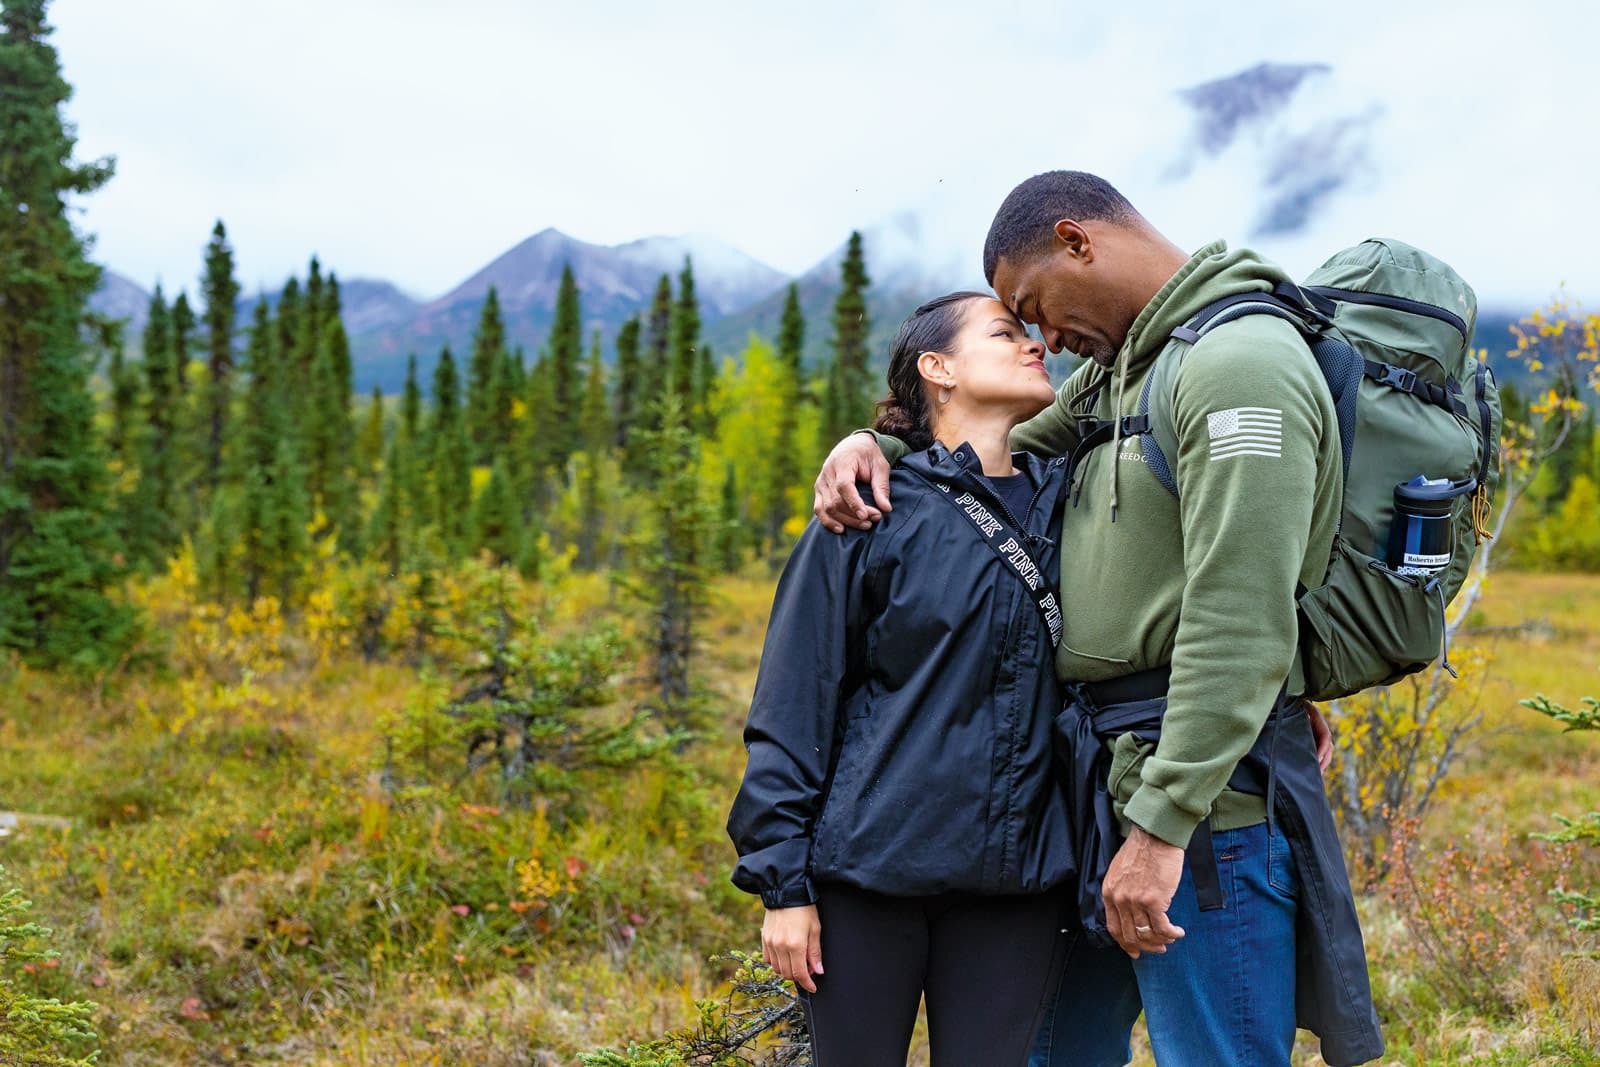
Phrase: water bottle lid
(1422, 488)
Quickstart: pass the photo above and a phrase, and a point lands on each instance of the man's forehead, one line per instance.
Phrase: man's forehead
(1010, 284)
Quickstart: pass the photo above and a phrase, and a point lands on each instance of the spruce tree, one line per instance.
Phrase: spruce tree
(596, 424)
(518, 362)
(484, 370)
(182, 338)
(372, 433)
(658, 348)
(221, 296)
(705, 387)
(411, 405)
(450, 454)
(672, 577)
(161, 452)
(566, 358)
(274, 504)
(286, 318)
(122, 436)
(143, 523)
(332, 301)
(786, 457)
(331, 436)
(391, 519)
(628, 386)
(539, 450)
(595, 415)
(852, 394)
(502, 427)
(309, 334)
(57, 554)
(681, 377)
(497, 525)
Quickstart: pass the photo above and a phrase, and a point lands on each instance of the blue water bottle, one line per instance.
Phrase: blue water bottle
(1420, 539)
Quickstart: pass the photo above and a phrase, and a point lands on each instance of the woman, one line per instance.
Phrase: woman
(898, 814)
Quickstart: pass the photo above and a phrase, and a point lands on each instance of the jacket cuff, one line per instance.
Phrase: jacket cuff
(796, 895)
(1152, 810)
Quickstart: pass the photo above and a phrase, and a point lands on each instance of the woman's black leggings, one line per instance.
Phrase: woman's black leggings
(985, 965)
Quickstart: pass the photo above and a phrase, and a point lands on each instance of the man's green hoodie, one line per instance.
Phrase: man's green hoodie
(1204, 582)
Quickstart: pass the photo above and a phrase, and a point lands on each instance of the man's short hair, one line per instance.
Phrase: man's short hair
(1026, 220)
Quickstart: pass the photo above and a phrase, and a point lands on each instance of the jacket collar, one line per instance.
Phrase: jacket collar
(937, 461)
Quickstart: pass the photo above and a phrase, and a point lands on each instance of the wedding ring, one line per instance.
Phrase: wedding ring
(1141, 929)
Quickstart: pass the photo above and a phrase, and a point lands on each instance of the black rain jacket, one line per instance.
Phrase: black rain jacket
(899, 738)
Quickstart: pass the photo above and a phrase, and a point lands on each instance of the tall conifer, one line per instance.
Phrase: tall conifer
(372, 433)
(450, 456)
(274, 505)
(497, 525)
(681, 378)
(161, 390)
(596, 425)
(391, 520)
(658, 349)
(628, 388)
(56, 549)
(309, 335)
(851, 400)
(182, 338)
(484, 372)
(221, 293)
(411, 404)
(786, 458)
(566, 361)
(539, 448)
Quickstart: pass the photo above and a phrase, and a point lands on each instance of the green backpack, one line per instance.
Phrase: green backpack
(1389, 326)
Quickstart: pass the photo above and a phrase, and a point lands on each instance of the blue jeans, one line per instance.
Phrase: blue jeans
(1094, 1009)
(1223, 996)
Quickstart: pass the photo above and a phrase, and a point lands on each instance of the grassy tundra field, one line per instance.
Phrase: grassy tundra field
(268, 851)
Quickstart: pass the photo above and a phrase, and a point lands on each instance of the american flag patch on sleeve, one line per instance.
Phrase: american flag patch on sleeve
(1245, 432)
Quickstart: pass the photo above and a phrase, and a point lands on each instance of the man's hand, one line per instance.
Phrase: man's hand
(838, 504)
(1321, 736)
(791, 942)
(1138, 889)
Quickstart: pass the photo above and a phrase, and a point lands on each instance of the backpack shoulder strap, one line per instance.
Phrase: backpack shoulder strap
(1342, 368)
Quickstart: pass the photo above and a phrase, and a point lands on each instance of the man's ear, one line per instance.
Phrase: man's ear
(1074, 240)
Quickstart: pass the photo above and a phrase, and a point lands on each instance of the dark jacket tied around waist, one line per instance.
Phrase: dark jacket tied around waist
(899, 739)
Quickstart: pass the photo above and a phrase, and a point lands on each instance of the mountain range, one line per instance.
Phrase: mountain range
(1309, 159)
(738, 295)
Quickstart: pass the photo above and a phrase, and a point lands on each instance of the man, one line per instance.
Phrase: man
(1184, 604)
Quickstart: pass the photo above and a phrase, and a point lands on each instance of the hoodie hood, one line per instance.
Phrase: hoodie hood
(1210, 274)
(1213, 272)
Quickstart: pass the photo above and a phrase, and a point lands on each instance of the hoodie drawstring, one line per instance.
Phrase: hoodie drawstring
(1116, 428)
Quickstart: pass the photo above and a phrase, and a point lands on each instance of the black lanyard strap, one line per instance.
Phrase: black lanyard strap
(1011, 547)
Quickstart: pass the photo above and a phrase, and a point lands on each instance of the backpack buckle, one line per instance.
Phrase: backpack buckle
(1399, 378)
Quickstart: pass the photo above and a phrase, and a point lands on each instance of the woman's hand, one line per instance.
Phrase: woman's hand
(791, 943)
(838, 502)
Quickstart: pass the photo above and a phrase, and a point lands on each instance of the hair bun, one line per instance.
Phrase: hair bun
(895, 421)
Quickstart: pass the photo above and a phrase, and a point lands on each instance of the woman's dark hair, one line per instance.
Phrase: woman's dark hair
(931, 328)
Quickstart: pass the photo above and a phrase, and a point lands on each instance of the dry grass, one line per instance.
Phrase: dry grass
(214, 893)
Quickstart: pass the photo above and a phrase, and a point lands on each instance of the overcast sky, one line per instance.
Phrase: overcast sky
(415, 141)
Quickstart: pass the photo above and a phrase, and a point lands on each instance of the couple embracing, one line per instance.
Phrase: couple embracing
(1027, 739)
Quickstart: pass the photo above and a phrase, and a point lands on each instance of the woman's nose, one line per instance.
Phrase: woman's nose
(1034, 348)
